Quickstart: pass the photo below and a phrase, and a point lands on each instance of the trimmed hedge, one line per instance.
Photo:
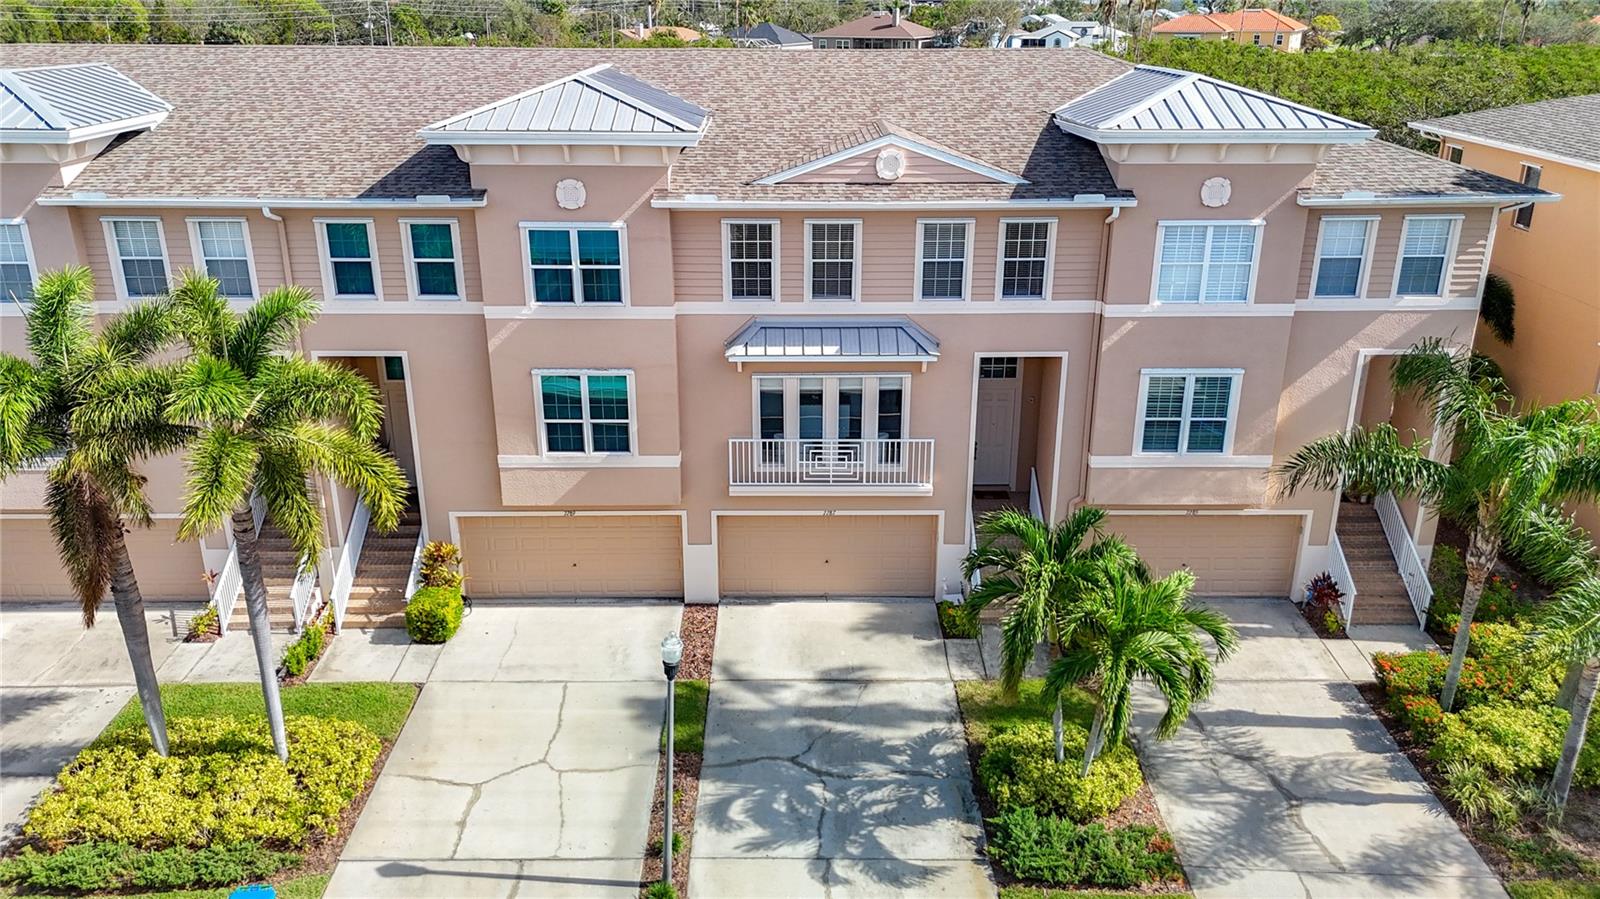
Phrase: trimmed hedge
(307, 649)
(116, 866)
(221, 784)
(434, 614)
(1057, 851)
(1019, 769)
(956, 622)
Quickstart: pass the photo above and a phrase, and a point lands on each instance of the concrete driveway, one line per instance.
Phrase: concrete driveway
(1285, 784)
(835, 763)
(528, 765)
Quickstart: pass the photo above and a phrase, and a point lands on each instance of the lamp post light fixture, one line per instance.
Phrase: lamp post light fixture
(671, 656)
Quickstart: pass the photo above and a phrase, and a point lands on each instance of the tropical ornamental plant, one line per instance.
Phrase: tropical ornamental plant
(268, 420)
(1040, 572)
(1507, 466)
(64, 411)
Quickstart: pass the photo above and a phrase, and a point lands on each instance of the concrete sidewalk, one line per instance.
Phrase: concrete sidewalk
(1284, 783)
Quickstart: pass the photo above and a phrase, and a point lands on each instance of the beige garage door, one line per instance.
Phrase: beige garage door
(1230, 555)
(30, 570)
(842, 555)
(545, 557)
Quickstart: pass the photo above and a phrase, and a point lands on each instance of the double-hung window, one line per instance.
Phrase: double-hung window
(585, 412)
(833, 259)
(1426, 243)
(16, 263)
(1187, 412)
(433, 258)
(1025, 256)
(222, 251)
(1202, 262)
(1452, 152)
(581, 264)
(856, 417)
(350, 259)
(1523, 217)
(750, 268)
(944, 259)
(1343, 244)
(138, 256)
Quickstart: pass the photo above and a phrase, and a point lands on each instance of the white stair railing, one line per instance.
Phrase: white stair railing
(305, 581)
(976, 580)
(414, 579)
(344, 572)
(229, 588)
(1339, 567)
(1406, 558)
(1035, 507)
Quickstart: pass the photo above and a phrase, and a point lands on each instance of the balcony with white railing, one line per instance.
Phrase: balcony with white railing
(823, 467)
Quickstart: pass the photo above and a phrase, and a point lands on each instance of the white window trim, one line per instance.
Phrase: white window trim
(855, 275)
(1049, 259)
(329, 285)
(1452, 247)
(193, 224)
(27, 254)
(572, 229)
(830, 401)
(542, 437)
(118, 276)
(1255, 262)
(1237, 374)
(411, 260)
(966, 262)
(1366, 256)
(777, 260)
(1448, 147)
(1522, 178)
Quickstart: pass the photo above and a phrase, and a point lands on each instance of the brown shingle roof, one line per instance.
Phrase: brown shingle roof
(340, 122)
(880, 25)
(1390, 171)
(1567, 127)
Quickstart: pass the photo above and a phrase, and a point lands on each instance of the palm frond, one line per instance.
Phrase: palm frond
(58, 320)
(24, 395)
(80, 521)
(221, 465)
(206, 391)
(140, 332)
(1374, 460)
(1570, 622)
(1578, 477)
(284, 483)
(300, 389)
(1554, 547)
(1462, 398)
(269, 327)
(372, 473)
(201, 315)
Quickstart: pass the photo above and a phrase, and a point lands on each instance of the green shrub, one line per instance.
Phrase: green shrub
(1019, 769)
(654, 849)
(1421, 715)
(222, 783)
(441, 565)
(1058, 851)
(307, 649)
(434, 614)
(661, 890)
(203, 623)
(1410, 673)
(1447, 573)
(957, 622)
(99, 867)
(1508, 741)
(1478, 795)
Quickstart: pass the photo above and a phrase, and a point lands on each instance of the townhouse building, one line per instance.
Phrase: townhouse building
(1257, 27)
(729, 323)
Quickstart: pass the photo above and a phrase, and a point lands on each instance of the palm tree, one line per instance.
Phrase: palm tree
(1133, 630)
(1042, 571)
(1507, 465)
(59, 410)
(268, 420)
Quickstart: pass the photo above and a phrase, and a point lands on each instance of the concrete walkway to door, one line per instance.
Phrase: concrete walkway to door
(1284, 783)
(835, 763)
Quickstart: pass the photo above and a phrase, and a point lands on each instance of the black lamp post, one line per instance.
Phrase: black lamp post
(671, 655)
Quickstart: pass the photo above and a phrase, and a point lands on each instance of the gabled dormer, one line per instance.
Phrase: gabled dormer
(882, 153)
(65, 115)
(598, 116)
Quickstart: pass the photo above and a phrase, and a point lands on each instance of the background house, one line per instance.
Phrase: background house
(1261, 27)
(876, 31)
(768, 36)
(1050, 30)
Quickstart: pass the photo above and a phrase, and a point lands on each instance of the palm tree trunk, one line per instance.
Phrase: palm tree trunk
(1061, 744)
(1482, 550)
(136, 634)
(1097, 736)
(255, 602)
(1569, 685)
(1572, 746)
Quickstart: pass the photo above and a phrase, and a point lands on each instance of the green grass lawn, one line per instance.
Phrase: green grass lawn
(309, 887)
(380, 707)
(1554, 889)
(1026, 892)
(689, 714)
(986, 711)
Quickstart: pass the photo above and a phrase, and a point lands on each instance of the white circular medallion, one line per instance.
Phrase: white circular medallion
(1216, 191)
(891, 163)
(570, 194)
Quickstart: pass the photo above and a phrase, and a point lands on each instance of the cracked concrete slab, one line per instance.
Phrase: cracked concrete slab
(47, 644)
(614, 641)
(1285, 783)
(371, 654)
(829, 640)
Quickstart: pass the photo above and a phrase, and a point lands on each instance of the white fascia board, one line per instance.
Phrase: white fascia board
(1217, 136)
(562, 138)
(1510, 147)
(888, 140)
(1087, 201)
(79, 135)
(1429, 200)
(101, 202)
(920, 359)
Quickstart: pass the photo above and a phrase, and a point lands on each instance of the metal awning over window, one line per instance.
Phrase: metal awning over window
(831, 340)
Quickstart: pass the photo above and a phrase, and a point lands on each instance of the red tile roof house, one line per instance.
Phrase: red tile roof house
(876, 31)
(1260, 27)
(644, 325)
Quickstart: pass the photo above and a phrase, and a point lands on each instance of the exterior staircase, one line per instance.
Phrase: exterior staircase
(378, 593)
(1381, 593)
(278, 570)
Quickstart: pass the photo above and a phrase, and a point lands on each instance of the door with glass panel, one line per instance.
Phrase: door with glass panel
(831, 429)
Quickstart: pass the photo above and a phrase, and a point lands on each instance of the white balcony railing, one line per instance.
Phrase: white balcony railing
(802, 466)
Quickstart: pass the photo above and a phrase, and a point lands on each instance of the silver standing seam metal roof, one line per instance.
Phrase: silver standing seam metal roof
(831, 340)
(596, 101)
(74, 102)
(1152, 101)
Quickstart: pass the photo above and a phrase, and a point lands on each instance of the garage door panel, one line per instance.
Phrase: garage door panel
(845, 555)
(30, 568)
(1238, 555)
(580, 556)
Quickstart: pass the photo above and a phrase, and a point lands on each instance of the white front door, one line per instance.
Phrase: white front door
(397, 422)
(999, 401)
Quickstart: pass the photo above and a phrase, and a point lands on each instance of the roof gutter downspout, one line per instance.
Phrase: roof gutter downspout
(1094, 360)
(283, 255)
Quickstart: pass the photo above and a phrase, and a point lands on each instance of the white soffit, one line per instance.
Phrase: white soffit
(71, 103)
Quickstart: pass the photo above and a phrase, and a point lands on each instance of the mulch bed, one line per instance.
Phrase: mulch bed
(698, 631)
